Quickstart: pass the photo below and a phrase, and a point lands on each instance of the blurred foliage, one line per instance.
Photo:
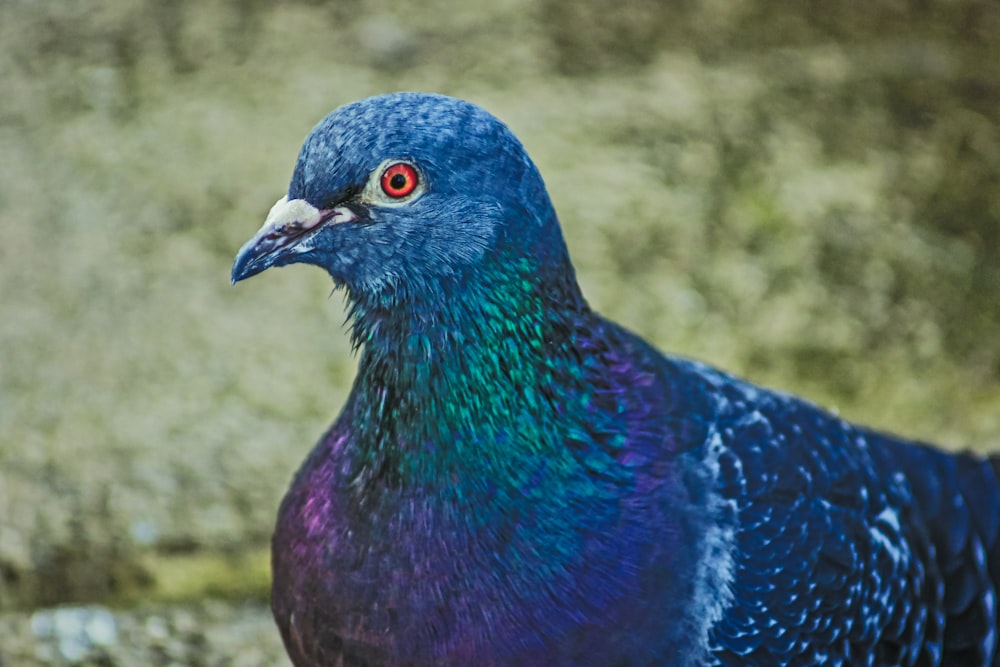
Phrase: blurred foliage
(916, 82)
(804, 193)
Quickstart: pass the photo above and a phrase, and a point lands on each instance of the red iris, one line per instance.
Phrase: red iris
(399, 180)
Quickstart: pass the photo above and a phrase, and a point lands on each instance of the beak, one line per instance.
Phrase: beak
(281, 237)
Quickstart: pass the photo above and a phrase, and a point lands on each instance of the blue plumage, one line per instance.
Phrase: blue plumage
(514, 480)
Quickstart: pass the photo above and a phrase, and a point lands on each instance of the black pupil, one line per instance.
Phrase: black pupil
(397, 182)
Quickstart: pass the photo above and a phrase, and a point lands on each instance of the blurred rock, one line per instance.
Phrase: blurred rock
(76, 632)
(211, 633)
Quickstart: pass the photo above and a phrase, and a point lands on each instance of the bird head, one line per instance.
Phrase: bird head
(400, 193)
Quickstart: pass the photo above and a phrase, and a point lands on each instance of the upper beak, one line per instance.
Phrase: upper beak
(289, 222)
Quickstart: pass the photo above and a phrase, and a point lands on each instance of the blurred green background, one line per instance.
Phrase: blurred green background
(804, 193)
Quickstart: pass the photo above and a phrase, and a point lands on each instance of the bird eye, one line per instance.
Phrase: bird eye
(399, 180)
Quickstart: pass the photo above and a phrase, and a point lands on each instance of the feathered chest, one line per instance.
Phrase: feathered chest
(474, 571)
(494, 509)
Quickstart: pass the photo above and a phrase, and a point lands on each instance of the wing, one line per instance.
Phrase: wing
(957, 497)
(833, 564)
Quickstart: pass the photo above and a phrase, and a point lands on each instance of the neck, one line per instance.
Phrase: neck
(469, 383)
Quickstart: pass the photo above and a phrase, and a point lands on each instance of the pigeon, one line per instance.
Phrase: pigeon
(515, 480)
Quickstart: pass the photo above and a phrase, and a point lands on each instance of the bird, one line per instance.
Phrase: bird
(515, 480)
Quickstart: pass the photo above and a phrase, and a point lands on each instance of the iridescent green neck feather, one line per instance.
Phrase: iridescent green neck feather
(465, 388)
